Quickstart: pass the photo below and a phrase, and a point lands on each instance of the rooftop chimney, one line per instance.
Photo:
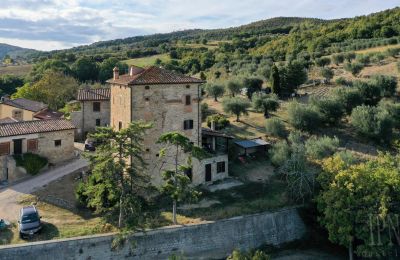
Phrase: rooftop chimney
(116, 73)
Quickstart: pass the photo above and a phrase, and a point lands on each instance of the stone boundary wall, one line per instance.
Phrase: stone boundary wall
(212, 240)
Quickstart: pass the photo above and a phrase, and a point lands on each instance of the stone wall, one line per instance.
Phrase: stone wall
(56, 154)
(214, 240)
(85, 119)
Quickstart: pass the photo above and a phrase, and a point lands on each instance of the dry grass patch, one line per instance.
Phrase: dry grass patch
(20, 70)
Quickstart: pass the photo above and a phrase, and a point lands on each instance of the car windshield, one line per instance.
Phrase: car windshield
(29, 218)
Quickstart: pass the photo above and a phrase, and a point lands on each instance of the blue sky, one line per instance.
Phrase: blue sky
(58, 24)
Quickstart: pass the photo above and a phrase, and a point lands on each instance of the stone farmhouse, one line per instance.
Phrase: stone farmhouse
(94, 111)
(171, 101)
(52, 139)
(22, 109)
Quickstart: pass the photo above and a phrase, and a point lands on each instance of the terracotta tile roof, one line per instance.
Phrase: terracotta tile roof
(96, 94)
(23, 103)
(34, 127)
(7, 120)
(48, 114)
(154, 75)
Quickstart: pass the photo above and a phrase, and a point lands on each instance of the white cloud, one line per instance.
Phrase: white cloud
(53, 24)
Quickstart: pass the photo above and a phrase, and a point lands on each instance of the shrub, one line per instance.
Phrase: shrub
(338, 58)
(372, 122)
(393, 110)
(32, 163)
(327, 73)
(303, 117)
(349, 98)
(279, 153)
(393, 52)
(319, 148)
(398, 66)
(330, 109)
(275, 127)
(387, 84)
(322, 62)
(363, 59)
(343, 82)
(220, 121)
(349, 56)
(370, 92)
(354, 68)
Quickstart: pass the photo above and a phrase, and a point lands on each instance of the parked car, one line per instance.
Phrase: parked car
(29, 221)
(90, 145)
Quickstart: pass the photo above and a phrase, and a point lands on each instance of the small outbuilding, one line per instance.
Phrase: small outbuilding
(252, 146)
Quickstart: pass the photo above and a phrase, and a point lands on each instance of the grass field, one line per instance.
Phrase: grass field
(378, 49)
(20, 70)
(147, 61)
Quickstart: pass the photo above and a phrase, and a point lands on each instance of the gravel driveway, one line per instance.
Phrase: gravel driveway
(9, 206)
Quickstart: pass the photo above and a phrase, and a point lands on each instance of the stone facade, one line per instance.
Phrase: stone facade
(56, 146)
(213, 240)
(167, 106)
(87, 119)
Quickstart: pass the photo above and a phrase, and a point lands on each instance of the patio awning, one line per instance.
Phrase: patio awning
(251, 143)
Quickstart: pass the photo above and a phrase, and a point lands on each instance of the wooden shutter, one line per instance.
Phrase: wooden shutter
(5, 148)
(32, 145)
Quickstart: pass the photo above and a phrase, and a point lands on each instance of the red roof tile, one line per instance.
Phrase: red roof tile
(154, 75)
(34, 127)
(47, 113)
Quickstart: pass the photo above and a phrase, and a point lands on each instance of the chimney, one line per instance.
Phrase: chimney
(131, 71)
(5, 97)
(116, 73)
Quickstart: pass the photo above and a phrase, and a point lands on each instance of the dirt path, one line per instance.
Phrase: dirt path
(9, 206)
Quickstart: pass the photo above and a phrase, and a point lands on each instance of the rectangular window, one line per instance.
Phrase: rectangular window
(189, 173)
(119, 125)
(96, 106)
(98, 121)
(220, 167)
(188, 100)
(17, 114)
(57, 143)
(5, 148)
(32, 145)
(188, 124)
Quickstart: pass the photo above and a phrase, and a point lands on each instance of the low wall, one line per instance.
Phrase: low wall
(211, 240)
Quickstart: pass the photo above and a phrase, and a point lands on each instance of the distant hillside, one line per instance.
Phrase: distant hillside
(14, 51)
(278, 25)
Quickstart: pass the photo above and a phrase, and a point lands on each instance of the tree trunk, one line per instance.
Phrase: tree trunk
(351, 250)
(174, 212)
(120, 212)
(237, 118)
(215, 98)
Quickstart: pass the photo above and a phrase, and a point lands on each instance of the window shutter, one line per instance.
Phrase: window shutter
(4, 148)
(32, 145)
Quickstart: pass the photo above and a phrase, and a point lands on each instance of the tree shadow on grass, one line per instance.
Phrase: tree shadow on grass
(48, 231)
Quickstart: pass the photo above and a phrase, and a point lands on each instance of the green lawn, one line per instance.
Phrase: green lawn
(147, 61)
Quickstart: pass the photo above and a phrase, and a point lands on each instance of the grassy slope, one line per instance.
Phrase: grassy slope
(20, 70)
(147, 61)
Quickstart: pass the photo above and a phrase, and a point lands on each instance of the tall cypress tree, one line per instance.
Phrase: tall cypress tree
(275, 80)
